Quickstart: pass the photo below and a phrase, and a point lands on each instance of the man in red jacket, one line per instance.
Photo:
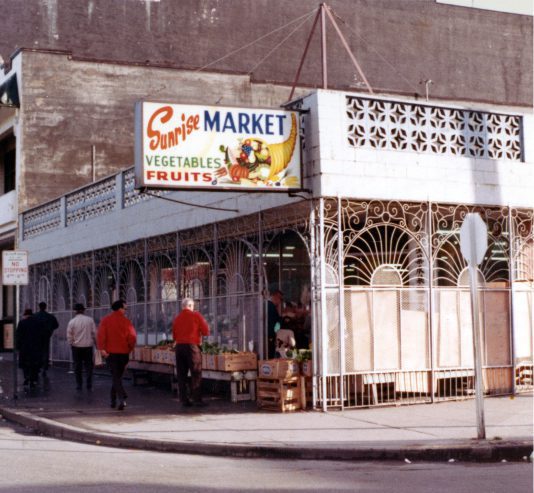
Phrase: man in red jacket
(187, 331)
(116, 338)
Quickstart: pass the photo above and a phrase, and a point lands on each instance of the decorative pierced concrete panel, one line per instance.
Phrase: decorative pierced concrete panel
(94, 200)
(41, 219)
(399, 126)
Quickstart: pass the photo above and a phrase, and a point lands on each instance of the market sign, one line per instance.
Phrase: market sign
(14, 267)
(216, 148)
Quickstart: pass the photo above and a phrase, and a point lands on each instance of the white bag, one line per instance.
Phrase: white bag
(97, 358)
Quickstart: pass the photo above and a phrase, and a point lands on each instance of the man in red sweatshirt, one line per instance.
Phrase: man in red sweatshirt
(116, 338)
(187, 331)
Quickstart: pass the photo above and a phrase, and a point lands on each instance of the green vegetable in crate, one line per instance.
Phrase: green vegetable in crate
(304, 355)
(208, 348)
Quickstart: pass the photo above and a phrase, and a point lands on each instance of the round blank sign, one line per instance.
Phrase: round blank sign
(473, 238)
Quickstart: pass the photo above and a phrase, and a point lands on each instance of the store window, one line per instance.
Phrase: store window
(287, 266)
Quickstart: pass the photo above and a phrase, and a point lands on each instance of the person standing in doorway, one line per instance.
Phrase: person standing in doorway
(30, 341)
(48, 324)
(116, 338)
(81, 335)
(274, 320)
(187, 330)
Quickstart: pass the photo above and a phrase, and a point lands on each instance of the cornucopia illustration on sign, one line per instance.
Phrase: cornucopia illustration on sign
(255, 163)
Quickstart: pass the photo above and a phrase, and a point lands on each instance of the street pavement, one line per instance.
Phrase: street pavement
(155, 420)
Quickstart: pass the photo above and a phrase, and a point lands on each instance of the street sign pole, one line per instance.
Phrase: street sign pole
(15, 354)
(481, 427)
(473, 245)
(15, 273)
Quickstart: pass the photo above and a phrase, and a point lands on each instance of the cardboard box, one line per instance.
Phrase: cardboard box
(278, 368)
(237, 361)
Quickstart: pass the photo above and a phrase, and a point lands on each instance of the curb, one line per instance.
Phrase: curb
(468, 451)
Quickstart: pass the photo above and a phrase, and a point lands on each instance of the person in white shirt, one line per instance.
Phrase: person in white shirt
(81, 335)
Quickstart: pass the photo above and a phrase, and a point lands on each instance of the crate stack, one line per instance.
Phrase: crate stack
(306, 371)
(279, 385)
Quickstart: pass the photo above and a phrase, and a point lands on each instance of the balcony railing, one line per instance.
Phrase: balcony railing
(94, 200)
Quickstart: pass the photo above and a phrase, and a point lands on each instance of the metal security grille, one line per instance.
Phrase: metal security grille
(221, 266)
(405, 331)
(388, 294)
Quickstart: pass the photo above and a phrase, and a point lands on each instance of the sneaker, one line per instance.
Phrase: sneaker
(113, 404)
(122, 405)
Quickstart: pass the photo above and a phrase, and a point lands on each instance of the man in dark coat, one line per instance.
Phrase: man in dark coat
(48, 324)
(31, 343)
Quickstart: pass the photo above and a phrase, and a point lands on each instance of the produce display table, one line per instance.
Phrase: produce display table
(141, 371)
(242, 382)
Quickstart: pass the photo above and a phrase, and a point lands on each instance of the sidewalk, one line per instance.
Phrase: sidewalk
(154, 420)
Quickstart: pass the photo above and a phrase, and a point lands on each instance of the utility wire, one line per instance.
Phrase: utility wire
(281, 42)
(410, 84)
(146, 192)
(257, 40)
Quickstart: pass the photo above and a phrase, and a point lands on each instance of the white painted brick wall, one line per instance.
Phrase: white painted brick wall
(402, 175)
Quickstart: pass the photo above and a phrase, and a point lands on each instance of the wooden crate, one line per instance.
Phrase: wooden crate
(137, 353)
(209, 361)
(146, 354)
(307, 392)
(157, 355)
(306, 368)
(168, 356)
(237, 361)
(277, 394)
(278, 368)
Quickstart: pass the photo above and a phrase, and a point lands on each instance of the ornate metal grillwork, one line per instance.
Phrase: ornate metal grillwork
(412, 127)
(449, 264)
(390, 253)
(197, 265)
(382, 242)
(523, 245)
(82, 289)
(238, 268)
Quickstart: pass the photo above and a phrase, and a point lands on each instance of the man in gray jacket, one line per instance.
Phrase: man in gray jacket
(81, 335)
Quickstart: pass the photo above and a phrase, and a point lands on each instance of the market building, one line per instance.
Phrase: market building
(369, 250)
(367, 253)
